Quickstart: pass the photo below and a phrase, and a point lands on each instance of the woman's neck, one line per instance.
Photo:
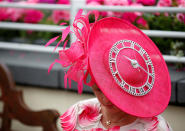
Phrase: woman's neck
(117, 117)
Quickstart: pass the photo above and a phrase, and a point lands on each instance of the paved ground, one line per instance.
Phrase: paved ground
(43, 98)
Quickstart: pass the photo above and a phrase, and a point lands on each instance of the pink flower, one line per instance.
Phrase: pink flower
(63, 2)
(47, 1)
(129, 16)
(116, 3)
(181, 3)
(15, 14)
(97, 1)
(164, 3)
(130, 1)
(58, 15)
(146, 2)
(181, 17)
(33, 16)
(32, 1)
(137, 5)
(3, 14)
(141, 21)
(93, 3)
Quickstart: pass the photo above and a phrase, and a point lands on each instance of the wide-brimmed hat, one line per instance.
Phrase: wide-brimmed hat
(128, 68)
(124, 63)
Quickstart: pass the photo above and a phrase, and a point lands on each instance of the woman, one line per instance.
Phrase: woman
(101, 115)
(128, 76)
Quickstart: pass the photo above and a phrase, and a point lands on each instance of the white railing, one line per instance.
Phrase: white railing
(148, 9)
(35, 27)
(36, 6)
(56, 28)
(27, 47)
(74, 7)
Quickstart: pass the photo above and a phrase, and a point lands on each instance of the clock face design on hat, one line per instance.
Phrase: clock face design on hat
(131, 67)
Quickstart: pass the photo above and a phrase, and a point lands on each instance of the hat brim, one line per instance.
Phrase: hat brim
(103, 35)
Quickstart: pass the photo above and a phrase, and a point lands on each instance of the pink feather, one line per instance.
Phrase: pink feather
(51, 41)
(69, 81)
(65, 33)
(63, 23)
(57, 45)
(65, 80)
(52, 64)
(65, 44)
(80, 85)
(79, 14)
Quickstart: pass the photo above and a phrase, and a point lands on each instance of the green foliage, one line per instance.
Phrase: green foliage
(162, 22)
(166, 23)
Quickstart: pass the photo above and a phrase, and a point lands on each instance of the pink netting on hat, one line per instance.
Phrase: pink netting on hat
(75, 59)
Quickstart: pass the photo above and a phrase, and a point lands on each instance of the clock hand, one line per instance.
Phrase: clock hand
(135, 64)
(133, 61)
(142, 68)
(145, 70)
(128, 58)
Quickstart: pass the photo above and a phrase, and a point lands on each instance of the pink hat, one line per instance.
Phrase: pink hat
(124, 63)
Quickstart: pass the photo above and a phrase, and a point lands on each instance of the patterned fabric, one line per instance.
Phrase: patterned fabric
(86, 116)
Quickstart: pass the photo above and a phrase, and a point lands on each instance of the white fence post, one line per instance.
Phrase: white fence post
(75, 6)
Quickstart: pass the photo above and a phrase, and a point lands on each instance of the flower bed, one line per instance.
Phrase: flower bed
(152, 21)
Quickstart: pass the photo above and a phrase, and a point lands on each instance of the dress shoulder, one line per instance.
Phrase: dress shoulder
(163, 124)
(83, 115)
(156, 123)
